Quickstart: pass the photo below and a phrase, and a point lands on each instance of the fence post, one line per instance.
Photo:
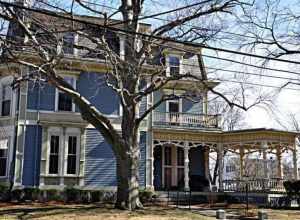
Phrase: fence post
(220, 214)
(262, 215)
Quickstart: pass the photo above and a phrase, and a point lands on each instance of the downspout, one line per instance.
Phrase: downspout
(37, 136)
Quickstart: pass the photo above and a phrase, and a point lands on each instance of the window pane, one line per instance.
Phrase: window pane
(3, 166)
(71, 164)
(168, 156)
(180, 156)
(5, 108)
(3, 153)
(6, 93)
(53, 164)
(64, 102)
(68, 43)
(72, 144)
(54, 151)
(180, 177)
(174, 61)
(3, 160)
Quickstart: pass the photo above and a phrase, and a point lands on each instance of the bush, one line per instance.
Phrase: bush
(109, 196)
(96, 195)
(53, 195)
(146, 195)
(72, 194)
(31, 194)
(85, 196)
(4, 193)
(18, 194)
(292, 188)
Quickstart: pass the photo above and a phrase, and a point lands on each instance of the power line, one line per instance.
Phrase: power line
(254, 74)
(165, 12)
(188, 25)
(253, 84)
(176, 48)
(196, 45)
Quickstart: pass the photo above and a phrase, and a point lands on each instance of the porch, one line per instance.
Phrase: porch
(185, 120)
(182, 159)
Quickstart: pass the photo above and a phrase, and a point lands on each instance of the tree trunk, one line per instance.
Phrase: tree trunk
(128, 182)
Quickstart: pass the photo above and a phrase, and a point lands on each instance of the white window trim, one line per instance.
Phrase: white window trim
(57, 93)
(76, 133)
(6, 81)
(54, 131)
(179, 101)
(168, 63)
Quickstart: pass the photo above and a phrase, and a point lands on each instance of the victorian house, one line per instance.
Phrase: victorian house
(45, 143)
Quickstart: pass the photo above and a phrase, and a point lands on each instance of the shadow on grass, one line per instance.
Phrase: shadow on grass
(38, 212)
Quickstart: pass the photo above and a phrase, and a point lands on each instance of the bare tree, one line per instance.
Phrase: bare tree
(35, 40)
(232, 119)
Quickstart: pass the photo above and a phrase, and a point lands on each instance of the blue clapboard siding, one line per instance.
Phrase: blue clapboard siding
(143, 105)
(196, 158)
(192, 106)
(100, 164)
(157, 96)
(32, 155)
(47, 96)
(93, 87)
(142, 168)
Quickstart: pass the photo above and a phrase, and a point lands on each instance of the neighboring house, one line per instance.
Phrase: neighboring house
(45, 143)
(254, 168)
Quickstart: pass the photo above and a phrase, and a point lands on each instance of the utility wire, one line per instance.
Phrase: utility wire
(196, 45)
(188, 25)
(163, 13)
(116, 29)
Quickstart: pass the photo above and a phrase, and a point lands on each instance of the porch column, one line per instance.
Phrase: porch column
(265, 164)
(241, 162)
(186, 167)
(220, 151)
(279, 164)
(295, 163)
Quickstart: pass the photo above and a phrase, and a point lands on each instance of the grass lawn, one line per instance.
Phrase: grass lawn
(92, 212)
(106, 212)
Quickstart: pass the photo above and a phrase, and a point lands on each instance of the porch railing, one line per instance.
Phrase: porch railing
(257, 185)
(185, 120)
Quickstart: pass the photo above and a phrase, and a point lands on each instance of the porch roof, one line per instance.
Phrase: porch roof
(247, 138)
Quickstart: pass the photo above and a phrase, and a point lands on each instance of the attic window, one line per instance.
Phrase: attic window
(68, 43)
(174, 65)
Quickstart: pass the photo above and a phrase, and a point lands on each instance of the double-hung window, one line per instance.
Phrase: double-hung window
(174, 65)
(6, 100)
(54, 154)
(68, 43)
(64, 101)
(3, 156)
(72, 155)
